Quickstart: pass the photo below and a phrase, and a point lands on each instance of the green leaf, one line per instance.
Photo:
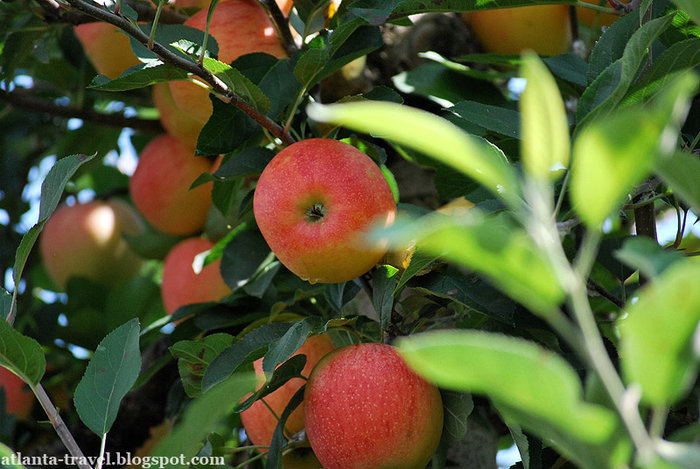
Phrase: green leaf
(232, 357)
(9, 458)
(374, 12)
(492, 246)
(658, 334)
(410, 7)
(512, 372)
(21, 354)
(545, 130)
(458, 406)
(226, 130)
(112, 371)
(5, 302)
(291, 368)
(611, 45)
(285, 346)
(691, 7)
(419, 261)
(681, 171)
(339, 294)
(647, 256)
(420, 130)
(248, 162)
(243, 256)
(200, 417)
(614, 153)
(239, 84)
(144, 75)
(569, 67)
(609, 88)
(194, 357)
(493, 118)
(383, 287)
(311, 62)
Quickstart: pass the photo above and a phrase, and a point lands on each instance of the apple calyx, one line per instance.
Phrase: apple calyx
(316, 212)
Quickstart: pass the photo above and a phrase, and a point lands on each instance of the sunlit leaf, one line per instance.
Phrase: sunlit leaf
(21, 354)
(658, 334)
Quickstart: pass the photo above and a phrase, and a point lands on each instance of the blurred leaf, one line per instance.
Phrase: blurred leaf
(604, 94)
(110, 374)
(21, 354)
(569, 67)
(420, 130)
(614, 153)
(647, 256)
(284, 347)
(383, 287)
(493, 246)
(691, 7)
(242, 257)
(681, 171)
(194, 357)
(513, 372)
(200, 417)
(685, 455)
(235, 355)
(10, 458)
(493, 118)
(657, 336)
(145, 75)
(545, 131)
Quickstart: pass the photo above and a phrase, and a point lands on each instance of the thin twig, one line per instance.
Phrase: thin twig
(226, 94)
(604, 293)
(54, 13)
(22, 100)
(281, 24)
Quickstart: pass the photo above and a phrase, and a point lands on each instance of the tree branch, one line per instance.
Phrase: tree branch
(53, 13)
(281, 25)
(21, 100)
(189, 66)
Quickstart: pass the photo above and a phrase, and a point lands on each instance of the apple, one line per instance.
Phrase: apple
(175, 121)
(593, 18)
(239, 27)
(160, 186)
(544, 29)
(366, 409)
(315, 201)
(258, 420)
(19, 399)
(87, 240)
(107, 48)
(181, 285)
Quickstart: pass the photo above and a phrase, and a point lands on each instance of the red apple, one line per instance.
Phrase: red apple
(87, 240)
(107, 48)
(181, 285)
(314, 203)
(258, 420)
(542, 28)
(176, 122)
(160, 186)
(366, 409)
(240, 27)
(19, 399)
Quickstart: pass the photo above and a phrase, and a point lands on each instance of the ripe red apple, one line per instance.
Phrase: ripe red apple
(160, 186)
(87, 240)
(240, 27)
(313, 204)
(181, 285)
(19, 399)
(175, 121)
(258, 420)
(366, 409)
(542, 28)
(107, 48)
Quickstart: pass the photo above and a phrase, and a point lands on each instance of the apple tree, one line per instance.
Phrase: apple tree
(536, 163)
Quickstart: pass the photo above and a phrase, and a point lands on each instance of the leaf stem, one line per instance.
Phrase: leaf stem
(100, 459)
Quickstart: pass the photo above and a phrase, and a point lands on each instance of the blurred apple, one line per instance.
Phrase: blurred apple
(107, 48)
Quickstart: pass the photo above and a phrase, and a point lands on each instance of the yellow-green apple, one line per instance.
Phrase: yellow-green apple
(181, 285)
(175, 121)
(544, 29)
(239, 27)
(160, 186)
(366, 409)
(594, 18)
(19, 399)
(314, 203)
(259, 420)
(107, 48)
(87, 240)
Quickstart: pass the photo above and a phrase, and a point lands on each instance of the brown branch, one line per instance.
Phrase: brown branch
(189, 66)
(281, 25)
(604, 293)
(22, 100)
(53, 13)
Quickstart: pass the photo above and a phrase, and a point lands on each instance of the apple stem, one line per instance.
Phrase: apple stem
(316, 212)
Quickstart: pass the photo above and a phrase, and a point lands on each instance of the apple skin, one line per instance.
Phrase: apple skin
(590, 17)
(19, 399)
(258, 421)
(544, 29)
(175, 121)
(87, 240)
(366, 409)
(323, 175)
(107, 48)
(160, 186)
(181, 285)
(240, 27)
